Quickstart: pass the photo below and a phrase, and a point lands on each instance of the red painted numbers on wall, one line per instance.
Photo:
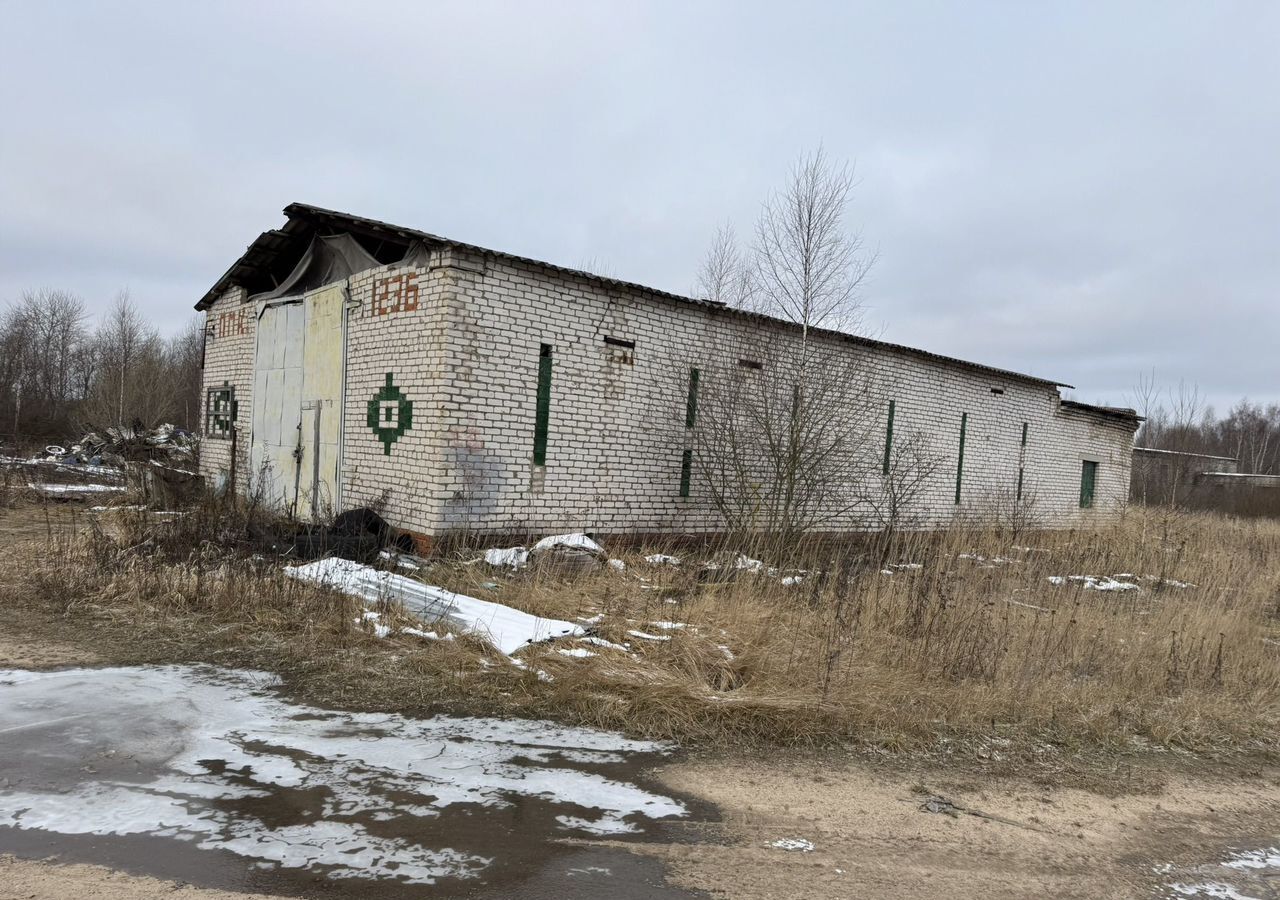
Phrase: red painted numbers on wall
(395, 294)
(232, 323)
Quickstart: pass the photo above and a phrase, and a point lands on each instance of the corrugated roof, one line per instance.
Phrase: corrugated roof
(262, 264)
(1114, 412)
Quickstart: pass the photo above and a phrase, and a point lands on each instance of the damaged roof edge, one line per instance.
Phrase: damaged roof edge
(270, 241)
(1120, 413)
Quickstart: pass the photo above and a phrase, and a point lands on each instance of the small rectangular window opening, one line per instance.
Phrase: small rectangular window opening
(750, 364)
(620, 351)
(997, 391)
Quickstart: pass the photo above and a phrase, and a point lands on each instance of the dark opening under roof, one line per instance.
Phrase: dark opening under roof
(273, 255)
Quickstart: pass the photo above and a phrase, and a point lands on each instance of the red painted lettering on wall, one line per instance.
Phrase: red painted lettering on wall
(395, 294)
(232, 323)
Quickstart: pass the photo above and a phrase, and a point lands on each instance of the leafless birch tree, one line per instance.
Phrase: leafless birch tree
(782, 441)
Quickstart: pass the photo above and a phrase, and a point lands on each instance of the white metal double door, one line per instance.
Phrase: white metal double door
(297, 403)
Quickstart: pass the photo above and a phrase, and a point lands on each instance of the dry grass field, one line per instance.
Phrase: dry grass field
(1156, 632)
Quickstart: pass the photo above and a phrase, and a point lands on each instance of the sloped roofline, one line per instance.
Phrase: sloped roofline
(302, 216)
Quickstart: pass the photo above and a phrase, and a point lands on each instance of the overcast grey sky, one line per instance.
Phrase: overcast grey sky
(1078, 191)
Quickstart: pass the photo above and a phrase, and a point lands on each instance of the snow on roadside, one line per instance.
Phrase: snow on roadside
(792, 845)
(662, 559)
(506, 628)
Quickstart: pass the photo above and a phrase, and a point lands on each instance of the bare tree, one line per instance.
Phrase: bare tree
(725, 275)
(184, 357)
(783, 437)
(908, 467)
(133, 383)
(39, 336)
(809, 266)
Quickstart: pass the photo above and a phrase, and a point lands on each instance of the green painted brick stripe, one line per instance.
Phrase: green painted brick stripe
(691, 405)
(542, 419)
(888, 438)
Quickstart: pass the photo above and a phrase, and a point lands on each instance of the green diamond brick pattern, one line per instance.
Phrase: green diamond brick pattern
(390, 414)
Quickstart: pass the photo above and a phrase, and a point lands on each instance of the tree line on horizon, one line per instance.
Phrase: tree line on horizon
(61, 377)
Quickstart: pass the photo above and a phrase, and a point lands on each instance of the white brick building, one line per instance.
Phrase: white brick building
(354, 363)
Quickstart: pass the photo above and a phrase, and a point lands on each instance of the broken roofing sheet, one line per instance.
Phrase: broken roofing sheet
(506, 628)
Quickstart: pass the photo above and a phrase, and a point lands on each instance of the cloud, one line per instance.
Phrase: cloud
(1084, 192)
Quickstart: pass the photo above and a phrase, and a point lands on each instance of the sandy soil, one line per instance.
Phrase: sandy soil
(24, 880)
(18, 652)
(873, 840)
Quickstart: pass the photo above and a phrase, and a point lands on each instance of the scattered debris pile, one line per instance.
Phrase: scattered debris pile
(157, 463)
(566, 553)
(117, 445)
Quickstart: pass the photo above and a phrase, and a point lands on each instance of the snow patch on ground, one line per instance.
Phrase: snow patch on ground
(1095, 582)
(793, 845)
(1268, 858)
(176, 750)
(511, 557)
(75, 488)
(575, 541)
(1214, 889)
(645, 636)
(662, 559)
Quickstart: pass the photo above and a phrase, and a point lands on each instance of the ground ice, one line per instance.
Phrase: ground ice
(185, 752)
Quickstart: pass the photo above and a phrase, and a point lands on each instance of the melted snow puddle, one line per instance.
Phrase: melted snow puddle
(1244, 875)
(214, 758)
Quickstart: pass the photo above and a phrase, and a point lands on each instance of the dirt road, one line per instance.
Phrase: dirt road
(872, 839)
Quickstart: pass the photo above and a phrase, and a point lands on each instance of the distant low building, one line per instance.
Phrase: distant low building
(1201, 481)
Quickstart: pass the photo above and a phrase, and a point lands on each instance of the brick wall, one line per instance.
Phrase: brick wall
(460, 337)
(617, 434)
(396, 326)
(228, 359)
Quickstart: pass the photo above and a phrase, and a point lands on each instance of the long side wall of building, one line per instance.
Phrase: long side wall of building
(454, 346)
(617, 415)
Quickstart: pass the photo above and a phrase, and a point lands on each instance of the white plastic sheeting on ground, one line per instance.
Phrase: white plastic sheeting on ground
(506, 628)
